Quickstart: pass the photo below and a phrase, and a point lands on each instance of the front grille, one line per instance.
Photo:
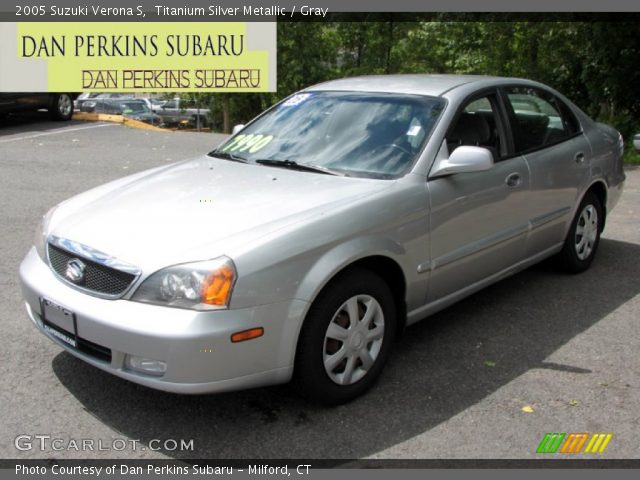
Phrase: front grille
(97, 278)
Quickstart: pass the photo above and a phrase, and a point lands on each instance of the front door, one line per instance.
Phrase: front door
(479, 220)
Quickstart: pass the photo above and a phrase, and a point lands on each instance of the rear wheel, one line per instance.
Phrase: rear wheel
(346, 338)
(61, 107)
(583, 238)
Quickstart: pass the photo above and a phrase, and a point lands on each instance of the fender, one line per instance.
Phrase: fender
(574, 210)
(338, 259)
(341, 256)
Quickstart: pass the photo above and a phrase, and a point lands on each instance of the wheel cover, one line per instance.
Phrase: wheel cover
(353, 339)
(586, 232)
(64, 105)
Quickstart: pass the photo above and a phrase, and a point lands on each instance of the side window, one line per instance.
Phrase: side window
(538, 119)
(568, 117)
(478, 125)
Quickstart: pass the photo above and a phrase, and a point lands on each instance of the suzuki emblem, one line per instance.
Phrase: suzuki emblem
(75, 270)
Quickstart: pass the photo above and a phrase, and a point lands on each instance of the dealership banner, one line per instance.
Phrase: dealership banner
(146, 57)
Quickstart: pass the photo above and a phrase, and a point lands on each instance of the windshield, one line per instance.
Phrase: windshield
(358, 134)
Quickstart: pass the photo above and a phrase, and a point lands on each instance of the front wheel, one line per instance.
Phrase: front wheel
(61, 107)
(346, 338)
(584, 235)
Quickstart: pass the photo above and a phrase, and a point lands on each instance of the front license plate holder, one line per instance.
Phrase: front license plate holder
(59, 322)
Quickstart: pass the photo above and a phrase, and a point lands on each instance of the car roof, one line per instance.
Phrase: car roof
(417, 84)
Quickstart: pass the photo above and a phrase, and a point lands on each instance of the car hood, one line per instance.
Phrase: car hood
(201, 209)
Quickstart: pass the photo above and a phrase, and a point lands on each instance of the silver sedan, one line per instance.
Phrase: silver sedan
(300, 247)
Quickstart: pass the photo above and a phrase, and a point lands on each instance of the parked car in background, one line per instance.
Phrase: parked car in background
(340, 215)
(174, 114)
(59, 105)
(137, 109)
(88, 97)
(83, 97)
(156, 103)
(636, 142)
(153, 103)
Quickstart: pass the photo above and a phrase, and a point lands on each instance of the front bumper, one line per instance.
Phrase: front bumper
(196, 346)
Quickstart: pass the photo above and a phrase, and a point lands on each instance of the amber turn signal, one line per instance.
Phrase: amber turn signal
(247, 334)
(216, 288)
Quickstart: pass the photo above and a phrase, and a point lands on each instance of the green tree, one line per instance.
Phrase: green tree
(593, 63)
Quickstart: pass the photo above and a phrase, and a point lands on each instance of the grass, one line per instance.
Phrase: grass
(631, 157)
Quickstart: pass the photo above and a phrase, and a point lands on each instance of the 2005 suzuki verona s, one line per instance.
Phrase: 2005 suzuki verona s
(338, 216)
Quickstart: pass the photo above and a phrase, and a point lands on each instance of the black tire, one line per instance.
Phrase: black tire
(61, 108)
(572, 259)
(310, 376)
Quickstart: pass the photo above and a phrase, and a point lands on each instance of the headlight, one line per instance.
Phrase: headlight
(40, 239)
(199, 285)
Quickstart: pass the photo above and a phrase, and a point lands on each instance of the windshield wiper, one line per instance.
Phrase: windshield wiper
(227, 156)
(304, 167)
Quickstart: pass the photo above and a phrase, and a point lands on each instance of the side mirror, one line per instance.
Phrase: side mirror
(237, 128)
(464, 159)
(636, 142)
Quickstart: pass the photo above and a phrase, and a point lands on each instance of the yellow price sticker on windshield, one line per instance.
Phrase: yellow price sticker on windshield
(251, 143)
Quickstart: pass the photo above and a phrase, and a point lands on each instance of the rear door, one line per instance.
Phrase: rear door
(548, 135)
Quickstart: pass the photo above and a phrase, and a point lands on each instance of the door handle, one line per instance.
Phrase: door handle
(513, 180)
(579, 157)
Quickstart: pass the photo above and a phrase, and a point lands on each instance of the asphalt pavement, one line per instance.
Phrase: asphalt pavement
(487, 378)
